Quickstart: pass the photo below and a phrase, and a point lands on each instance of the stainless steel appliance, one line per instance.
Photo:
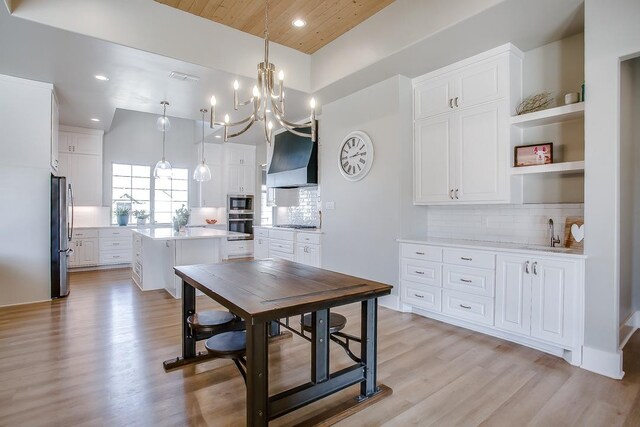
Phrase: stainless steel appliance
(61, 234)
(240, 215)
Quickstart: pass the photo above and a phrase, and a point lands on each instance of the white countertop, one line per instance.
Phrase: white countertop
(299, 230)
(168, 233)
(146, 226)
(479, 244)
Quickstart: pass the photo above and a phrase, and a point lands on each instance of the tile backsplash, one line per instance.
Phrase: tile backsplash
(525, 224)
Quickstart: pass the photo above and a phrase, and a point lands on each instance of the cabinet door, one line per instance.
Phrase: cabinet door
(211, 194)
(64, 142)
(308, 254)
(233, 154)
(86, 144)
(90, 252)
(480, 147)
(553, 301)
(433, 97)
(74, 256)
(481, 83)
(86, 178)
(212, 153)
(260, 248)
(248, 184)
(513, 294)
(432, 160)
(55, 123)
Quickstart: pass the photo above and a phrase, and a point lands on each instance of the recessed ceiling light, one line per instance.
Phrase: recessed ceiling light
(101, 77)
(218, 136)
(299, 23)
(95, 120)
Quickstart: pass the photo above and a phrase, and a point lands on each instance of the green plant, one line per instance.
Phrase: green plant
(122, 211)
(141, 214)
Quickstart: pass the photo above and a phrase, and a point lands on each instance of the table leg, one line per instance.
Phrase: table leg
(188, 308)
(257, 375)
(320, 346)
(369, 346)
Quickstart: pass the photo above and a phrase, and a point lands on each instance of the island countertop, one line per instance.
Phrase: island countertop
(169, 233)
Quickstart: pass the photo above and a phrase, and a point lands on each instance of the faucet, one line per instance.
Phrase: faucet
(554, 239)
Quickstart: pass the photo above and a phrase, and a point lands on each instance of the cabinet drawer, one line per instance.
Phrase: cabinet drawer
(468, 307)
(107, 244)
(85, 233)
(261, 232)
(476, 281)
(282, 255)
(115, 232)
(281, 234)
(281, 246)
(241, 247)
(115, 257)
(469, 258)
(426, 253)
(308, 238)
(425, 272)
(422, 296)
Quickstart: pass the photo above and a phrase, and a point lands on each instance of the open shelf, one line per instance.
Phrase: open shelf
(564, 167)
(551, 115)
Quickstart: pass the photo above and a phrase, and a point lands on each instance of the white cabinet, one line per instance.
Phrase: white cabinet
(301, 247)
(308, 254)
(462, 130)
(85, 253)
(240, 169)
(537, 297)
(260, 247)
(211, 193)
(99, 247)
(80, 160)
(55, 125)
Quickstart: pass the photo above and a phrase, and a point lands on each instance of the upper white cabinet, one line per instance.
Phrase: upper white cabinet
(80, 160)
(240, 168)
(462, 130)
(211, 192)
(55, 125)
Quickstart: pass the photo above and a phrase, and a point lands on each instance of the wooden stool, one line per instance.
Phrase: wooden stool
(337, 322)
(209, 321)
(230, 345)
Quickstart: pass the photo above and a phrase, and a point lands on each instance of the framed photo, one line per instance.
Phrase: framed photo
(535, 154)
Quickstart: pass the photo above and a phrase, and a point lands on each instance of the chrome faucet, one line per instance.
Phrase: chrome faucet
(554, 239)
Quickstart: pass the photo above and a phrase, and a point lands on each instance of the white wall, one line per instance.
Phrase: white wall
(611, 33)
(134, 138)
(25, 185)
(636, 186)
(359, 235)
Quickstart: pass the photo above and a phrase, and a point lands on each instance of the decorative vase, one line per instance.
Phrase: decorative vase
(123, 220)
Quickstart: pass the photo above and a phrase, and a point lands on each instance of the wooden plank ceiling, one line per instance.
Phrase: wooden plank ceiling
(326, 20)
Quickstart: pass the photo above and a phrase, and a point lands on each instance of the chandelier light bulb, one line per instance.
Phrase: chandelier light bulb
(270, 125)
(213, 101)
(236, 85)
(226, 118)
(312, 103)
(256, 92)
(281, 75)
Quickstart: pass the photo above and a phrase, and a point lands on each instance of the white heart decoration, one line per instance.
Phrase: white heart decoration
(577, 231)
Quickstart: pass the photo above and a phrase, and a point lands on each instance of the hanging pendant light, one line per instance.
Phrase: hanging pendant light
(202, 172)
(163, 168)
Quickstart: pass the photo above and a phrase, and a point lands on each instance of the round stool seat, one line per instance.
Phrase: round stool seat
(230, 345)
(337, 322)
(209, 319)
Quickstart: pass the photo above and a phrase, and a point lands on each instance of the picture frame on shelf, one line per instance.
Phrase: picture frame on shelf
(533, 154)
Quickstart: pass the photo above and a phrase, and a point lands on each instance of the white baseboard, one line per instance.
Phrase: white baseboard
(602, 362)
(390, 301)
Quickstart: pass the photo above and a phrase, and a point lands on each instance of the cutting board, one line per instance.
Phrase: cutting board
(574, 232)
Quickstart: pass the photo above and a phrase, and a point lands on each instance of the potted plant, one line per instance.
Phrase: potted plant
(122, 213)
(141, 216)
(181, 218)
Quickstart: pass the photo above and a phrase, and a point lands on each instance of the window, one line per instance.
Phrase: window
(133, 187)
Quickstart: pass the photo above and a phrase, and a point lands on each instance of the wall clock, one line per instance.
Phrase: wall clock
(355, 156)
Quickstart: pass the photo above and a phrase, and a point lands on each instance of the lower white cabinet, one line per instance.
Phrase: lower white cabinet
(528, 297)
(237, 248)
(85, 252)
(301, 247)
(93, 247)
(308, 254)
(261, 247)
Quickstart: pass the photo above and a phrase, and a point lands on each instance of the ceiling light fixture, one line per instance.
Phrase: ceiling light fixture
(202, 172)
(163, 168)
(218, 136)
(265, 95)
(101, 77)
(299, 23)
(95, 120)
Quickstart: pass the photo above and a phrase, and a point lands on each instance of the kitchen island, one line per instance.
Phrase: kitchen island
(156, 251)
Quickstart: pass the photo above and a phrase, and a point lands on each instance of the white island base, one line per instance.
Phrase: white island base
(156, 251)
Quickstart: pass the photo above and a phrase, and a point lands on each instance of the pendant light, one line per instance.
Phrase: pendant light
(163, 168)
(202, 172)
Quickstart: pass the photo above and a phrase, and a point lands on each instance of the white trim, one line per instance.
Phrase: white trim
(65, 128)
(19, 80)
(602, 362)
(628, 328)
(25, 303)
(100, 267)
(390, 301)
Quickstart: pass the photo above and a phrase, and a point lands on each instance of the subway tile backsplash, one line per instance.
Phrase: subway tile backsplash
(525, 224)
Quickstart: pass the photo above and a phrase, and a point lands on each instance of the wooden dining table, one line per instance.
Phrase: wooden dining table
(263, 293)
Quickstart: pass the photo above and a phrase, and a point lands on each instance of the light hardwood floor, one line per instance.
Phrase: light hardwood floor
(95, 359)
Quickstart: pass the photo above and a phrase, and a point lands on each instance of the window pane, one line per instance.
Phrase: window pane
(123, 170)
(123, 191)
(171, 194)
(141, 171)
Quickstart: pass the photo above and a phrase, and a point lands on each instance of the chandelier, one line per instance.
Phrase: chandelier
(267, 98)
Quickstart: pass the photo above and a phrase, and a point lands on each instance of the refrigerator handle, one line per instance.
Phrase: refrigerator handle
(70, 236)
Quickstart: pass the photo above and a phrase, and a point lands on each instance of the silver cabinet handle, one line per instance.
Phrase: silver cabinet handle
(466, 280)
(456, 192)
(451, 194)
(418, 296)
(535, 268)
(526, 267)
(80, 242)
(419, 272)
(456, 101)
(466, 259)
(466, 307)
(450, 102)
(419, 253)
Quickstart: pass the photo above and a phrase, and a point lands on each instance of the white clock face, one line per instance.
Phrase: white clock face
(356, 156)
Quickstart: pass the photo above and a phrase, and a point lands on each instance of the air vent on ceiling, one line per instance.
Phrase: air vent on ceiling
(184, 77)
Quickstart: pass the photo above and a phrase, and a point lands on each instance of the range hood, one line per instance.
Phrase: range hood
(294, 162)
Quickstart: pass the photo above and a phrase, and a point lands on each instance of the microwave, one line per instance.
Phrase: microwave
(239, 203)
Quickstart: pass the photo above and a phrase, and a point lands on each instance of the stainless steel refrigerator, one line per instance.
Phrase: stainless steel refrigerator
(61, 234)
